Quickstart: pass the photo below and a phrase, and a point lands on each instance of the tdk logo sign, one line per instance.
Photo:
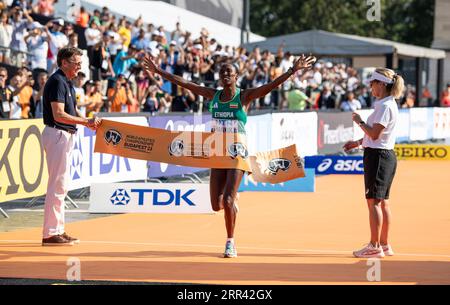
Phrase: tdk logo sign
(120, 197)
(335, 165)
(152, 198)
(163, 197)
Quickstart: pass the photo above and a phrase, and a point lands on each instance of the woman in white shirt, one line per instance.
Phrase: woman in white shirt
(380, 162)
(6, 30)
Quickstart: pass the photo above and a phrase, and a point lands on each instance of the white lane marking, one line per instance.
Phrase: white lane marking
(126, 243)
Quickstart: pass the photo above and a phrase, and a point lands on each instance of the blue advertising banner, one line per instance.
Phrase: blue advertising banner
(341, 165)
(188, 122)
(304, 185)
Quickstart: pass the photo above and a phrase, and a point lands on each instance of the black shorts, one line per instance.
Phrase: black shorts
(379, 171)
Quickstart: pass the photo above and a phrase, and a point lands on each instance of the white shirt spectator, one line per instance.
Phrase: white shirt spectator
(318, 77)
(16, 109)
(115, 44)
(38, 48)
(19, 32)
(58, 41)
(285, 64)
(5, 35)
(352, 83)
(135, 31)
(300, 84)
(351, 105)
(385, 113)
(93, 36)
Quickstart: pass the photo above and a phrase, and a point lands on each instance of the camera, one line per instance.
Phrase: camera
(135, 69)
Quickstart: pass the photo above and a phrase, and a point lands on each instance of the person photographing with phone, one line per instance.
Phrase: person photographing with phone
(120, 97)
(380, 162)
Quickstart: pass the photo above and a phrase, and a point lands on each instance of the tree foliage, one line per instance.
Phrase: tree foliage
(407, 21)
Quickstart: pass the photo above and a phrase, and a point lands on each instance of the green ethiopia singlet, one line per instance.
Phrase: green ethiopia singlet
(228, 116)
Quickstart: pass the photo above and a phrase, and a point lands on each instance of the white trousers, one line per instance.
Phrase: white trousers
(58, 145)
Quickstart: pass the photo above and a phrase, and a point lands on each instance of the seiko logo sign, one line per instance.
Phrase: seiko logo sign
(279, 164)
(341, 165)
(422, 152)
(238, 149)
(113, 136)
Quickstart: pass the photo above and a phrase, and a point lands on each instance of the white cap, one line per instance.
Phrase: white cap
(36, 25)
(153, 50)
(58, 21)
(329, 65)
(198, 46)
(173, 43)
(377, 76)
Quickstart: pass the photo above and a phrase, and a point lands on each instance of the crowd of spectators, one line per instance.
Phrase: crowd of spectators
(112, 80)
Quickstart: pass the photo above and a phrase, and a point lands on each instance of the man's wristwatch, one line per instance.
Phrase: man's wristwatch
(291, 71)
(362, 122)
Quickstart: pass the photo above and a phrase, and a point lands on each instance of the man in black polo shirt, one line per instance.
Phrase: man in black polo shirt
(60, 117)
(5, 95)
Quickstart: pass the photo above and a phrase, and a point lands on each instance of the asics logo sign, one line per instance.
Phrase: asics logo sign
(325, 165)
(341, 165)
(113, 136)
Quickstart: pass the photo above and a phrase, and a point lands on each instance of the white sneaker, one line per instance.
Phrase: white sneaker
(387, 249)
(230, 250)
(369, 251)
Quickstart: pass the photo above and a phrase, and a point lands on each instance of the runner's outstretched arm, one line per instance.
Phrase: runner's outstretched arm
(252, 94)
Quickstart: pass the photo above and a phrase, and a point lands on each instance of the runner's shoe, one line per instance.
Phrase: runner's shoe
(369, 251)
(387, 249)
(230, 250)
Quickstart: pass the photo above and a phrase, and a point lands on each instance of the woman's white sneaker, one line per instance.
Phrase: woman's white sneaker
(387, 249)
(369, 251)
